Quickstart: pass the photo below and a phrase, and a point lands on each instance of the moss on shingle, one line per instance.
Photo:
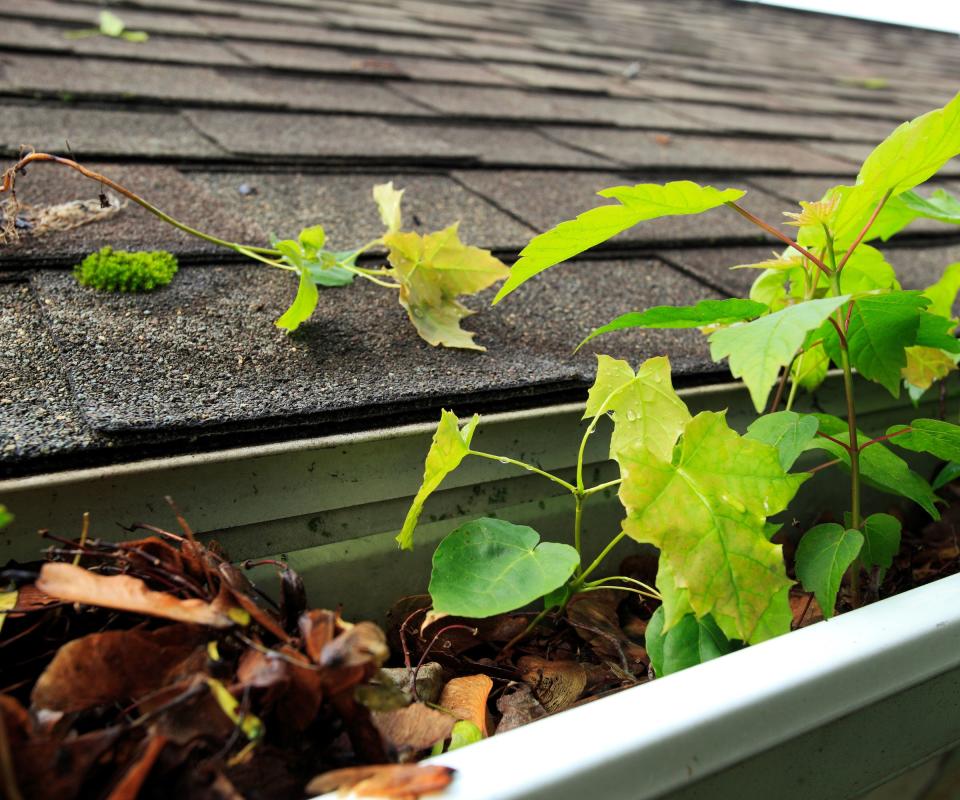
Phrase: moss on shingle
(110, 270)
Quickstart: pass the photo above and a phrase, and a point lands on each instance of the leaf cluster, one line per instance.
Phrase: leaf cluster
(430, 272)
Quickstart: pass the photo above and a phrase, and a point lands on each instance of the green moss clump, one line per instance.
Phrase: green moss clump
(110, 270)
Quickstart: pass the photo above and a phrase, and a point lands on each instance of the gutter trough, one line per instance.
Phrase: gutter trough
(823, 713)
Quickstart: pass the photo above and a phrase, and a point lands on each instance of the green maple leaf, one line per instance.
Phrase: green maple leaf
(943, 294)
(788, 431)
(636, 203)
(704, 313)
(934, 436)
(706, 510)
(879, 466)
(645, 409)
(758, 350)
(449, 447)
(881, 327)
(433, 270)
(823, 555)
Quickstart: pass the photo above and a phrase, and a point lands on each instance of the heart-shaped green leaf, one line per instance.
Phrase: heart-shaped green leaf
(690, 642)
(490, 566)
(824, 553)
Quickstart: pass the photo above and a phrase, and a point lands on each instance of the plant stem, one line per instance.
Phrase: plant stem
(601, 486)
(781, 236)
(578, 526)
(529, 467)
(854, 445)
(582, 579)
(649, 590)
(856, 243)
(250, 252)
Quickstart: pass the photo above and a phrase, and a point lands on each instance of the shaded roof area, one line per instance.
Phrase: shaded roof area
(253, 117)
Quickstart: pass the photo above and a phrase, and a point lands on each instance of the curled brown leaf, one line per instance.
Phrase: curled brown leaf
(414, 728)
(466, 699)
(126, 593)
(113, 666)
(385, 780)
(557, 685)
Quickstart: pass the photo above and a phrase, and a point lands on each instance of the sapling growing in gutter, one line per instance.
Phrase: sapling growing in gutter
(696, 489)
(690, 485)
(429, 272)
(828, 297)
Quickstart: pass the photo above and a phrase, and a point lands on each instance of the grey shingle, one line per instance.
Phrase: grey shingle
(89, 77)
(343, 204)
(132, 228)
(545, 198)
(322, 136)
(666, 151)
(98, 132)
(37, 414)
(357, 357)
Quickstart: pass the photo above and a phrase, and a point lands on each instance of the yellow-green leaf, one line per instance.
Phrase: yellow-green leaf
(303, 304)
(388, 201)
(645, 409)
(433, 270)
(757, 350)
(925, 365)
(706, 510)
(636, 204)
(914, 152)
(943, 294)
(449, 447)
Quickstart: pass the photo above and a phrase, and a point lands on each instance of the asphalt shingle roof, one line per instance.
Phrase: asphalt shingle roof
(258, 117)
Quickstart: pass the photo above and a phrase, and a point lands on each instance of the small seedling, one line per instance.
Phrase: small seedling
(110, 270)
(429, 272)
(109, 25)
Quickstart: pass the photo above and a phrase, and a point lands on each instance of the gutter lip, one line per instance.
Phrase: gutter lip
(655, 738)
(234, 454)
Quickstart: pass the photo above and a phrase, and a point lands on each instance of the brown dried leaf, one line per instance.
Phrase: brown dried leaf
(299, 705)
(385, 780)
(429, 681)
(361, 645)
(125, 593)
(594, 617)
(466, 698)
(414, 728)
(108, 667)
(556, 684)
(261, 670)
(132, 781)
(317, 628)
(236, 589)
(49, 768)
(518, 707)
